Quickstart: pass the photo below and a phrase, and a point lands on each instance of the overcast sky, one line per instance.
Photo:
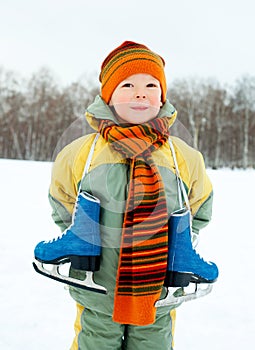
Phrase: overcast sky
(72, 37)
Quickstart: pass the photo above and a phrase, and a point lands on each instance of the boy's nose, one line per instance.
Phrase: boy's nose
(138, 96)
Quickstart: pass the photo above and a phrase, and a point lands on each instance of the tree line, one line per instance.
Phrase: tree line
(38, 116)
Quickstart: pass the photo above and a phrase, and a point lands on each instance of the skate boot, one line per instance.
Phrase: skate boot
(185, 266)
(80, 244)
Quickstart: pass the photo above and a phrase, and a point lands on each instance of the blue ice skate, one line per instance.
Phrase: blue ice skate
(80, 244)
(185, 266)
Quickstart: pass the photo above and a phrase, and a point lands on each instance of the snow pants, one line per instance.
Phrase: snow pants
(95, 330)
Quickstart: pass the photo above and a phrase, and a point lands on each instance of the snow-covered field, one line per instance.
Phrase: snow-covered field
(37, 313)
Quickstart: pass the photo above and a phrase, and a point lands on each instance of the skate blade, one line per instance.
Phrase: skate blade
(54, 274)
(173, 296)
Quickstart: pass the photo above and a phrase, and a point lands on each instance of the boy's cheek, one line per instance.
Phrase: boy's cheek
(122, 100)
(156, 101)
(156, 104)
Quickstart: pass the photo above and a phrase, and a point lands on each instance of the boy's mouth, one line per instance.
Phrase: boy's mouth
(139, 107)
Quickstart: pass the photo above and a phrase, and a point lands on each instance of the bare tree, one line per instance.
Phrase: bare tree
(38, 116)
(244, 105)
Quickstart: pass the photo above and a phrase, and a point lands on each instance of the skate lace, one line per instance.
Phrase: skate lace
(195, 239)
(199, 256)
(56, 238)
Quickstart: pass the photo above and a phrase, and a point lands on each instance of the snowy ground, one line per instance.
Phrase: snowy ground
(37, 313)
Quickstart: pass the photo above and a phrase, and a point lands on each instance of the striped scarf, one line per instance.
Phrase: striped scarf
(143, 253)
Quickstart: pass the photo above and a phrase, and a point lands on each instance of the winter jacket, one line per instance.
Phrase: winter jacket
(108, 179)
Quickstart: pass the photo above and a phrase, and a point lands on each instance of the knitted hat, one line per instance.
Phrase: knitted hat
(127, 59)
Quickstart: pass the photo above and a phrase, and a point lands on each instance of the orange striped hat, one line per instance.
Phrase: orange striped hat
(127, 59)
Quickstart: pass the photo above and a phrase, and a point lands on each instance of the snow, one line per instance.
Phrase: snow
(38, 313)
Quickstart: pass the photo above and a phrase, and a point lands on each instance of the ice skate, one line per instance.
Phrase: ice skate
(80, 244)
(185, 266)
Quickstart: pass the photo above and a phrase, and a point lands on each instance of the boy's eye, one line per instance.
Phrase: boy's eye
(127, 85)
(152, 85)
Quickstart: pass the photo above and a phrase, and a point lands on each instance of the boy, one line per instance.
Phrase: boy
(132, 173)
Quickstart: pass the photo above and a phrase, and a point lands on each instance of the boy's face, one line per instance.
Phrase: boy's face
(137, 99)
